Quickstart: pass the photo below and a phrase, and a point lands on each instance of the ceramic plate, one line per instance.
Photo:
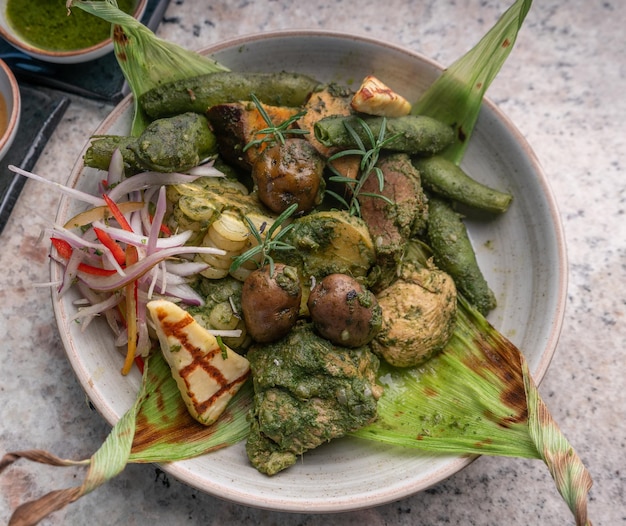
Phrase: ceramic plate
(521, 253)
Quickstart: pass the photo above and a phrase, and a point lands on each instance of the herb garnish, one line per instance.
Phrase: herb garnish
(367, 166)
(266, 246)
(273, 132)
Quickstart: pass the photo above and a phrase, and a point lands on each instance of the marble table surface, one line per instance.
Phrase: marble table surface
(563, 87)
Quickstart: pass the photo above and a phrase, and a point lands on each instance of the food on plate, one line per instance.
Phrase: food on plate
(394, 220)
(289, 172)
(307, 392)
(415, 134)
(316, 280)
(200, 93)
(343, 311)
(374, 97)
(221, 310)
(270, 301)
(322, 277)
(173, 144)
(445, 178)
(207, 372)
(330, 241)
(329, 99)
(418, 316)
(454, 254)
(238, 125)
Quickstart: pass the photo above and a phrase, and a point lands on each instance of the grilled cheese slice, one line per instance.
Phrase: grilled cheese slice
(376, 98)
(208, 375)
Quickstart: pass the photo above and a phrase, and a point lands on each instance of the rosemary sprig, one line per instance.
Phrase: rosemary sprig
(266, 246)
(273, 132)
(367, 166)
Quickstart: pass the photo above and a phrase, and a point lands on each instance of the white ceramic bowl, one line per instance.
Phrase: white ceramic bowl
(59, 57)
(10, 92)
(522, 255)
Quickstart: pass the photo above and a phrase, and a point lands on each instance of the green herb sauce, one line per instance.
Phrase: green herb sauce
(46, 24)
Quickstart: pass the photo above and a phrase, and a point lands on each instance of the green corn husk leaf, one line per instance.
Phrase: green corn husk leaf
(165, 430)
(146, 60)
(456, 96)
(157, 428)
(477, 397)
(468, 399)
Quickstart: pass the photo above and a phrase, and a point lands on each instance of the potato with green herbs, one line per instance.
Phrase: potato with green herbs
(343, 311)
(289, 173)
(270, 302)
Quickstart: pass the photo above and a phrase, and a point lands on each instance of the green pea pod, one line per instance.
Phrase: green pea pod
(176, 143)
(443, 177)
(415, 134)
(454, 254)
(101, 148)
(199, 93)
(166, 145)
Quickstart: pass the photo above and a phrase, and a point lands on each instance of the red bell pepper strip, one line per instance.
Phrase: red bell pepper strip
(109, 242)
(65, 251)
(63, 247)
(117, 213)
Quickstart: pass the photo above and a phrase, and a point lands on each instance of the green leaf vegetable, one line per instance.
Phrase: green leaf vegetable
(456, 405)
(146, 60)
(456, 96)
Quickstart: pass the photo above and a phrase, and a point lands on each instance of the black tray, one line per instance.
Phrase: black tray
(42, 108)
(100, 79)
(41, 111)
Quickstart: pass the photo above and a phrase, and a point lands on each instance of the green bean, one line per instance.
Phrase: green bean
(446, 179)
(454, 254)
(416, 134)
(198, 94)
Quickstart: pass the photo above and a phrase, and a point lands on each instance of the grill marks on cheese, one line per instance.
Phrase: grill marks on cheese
(201, 362)
(207, 375)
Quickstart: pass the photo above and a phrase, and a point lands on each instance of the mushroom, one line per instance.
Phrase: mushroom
(343, 311)
(270, 301)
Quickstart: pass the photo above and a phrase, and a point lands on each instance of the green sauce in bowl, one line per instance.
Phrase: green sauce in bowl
(45, 24)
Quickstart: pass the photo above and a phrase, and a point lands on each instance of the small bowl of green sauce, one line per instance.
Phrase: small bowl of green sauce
(10, 108)
(44, 29)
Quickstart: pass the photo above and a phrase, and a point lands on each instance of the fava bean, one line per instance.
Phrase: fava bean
(198, 94)
(454, 254)
(446, 179)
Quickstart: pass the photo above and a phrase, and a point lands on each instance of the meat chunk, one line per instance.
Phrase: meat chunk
(419, 315)
(307, 392)
(392, 224)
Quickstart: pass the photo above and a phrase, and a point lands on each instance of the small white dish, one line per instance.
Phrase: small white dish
(522, 254)
(10, 108)
(13, 37)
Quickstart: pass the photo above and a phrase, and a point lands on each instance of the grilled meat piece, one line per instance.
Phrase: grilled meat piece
(307, 392)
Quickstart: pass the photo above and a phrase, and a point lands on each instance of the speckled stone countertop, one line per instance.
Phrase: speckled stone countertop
(563, 87)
